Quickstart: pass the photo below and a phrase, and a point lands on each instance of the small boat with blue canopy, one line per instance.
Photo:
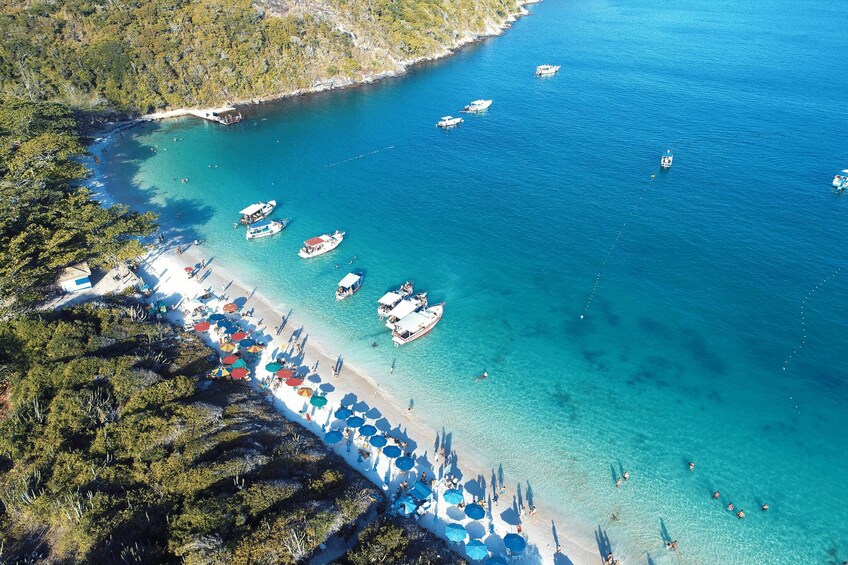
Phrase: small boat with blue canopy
(266, 228)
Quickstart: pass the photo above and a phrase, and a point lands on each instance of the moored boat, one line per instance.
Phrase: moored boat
(547, 70)
(256, 212)
(391, 299)
(448, 122)
(349, 285)
(322, 244)
(840, 181)
(478, 106)
(266, 228)
(665, 161)
(417, 324)
(406, 307)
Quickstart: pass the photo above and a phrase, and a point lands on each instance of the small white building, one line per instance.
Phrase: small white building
(75, 278)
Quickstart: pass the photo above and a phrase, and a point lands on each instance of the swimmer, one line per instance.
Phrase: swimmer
(740, 514)
(626, 475)
(765, 507)
(730, 507)
(618, 483)
(482, 377)
(716, 494)
(691, 465)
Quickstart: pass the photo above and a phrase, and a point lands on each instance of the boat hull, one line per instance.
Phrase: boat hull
(438, 311)
(326, 247)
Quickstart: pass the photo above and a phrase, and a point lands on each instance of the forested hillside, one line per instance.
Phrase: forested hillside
(140, 56)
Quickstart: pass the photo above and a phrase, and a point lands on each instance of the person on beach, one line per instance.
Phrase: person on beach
(179, 250)
(716, 494)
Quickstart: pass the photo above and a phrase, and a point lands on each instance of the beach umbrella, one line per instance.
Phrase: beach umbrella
(240, 364)
(368, 430)
(273, 367)
(305, 392)
(378, 441)
(228, 346)
(495, 560)
(239, 373)
(453, 496)
(220, 372)
(475, 511)
(514, 543)
(216, 317)
(342, 413)
(230, 330)
(405, 463)
(189, 269)
(391, 451)
(456, 532)
(476, 550)
(229, 359)
(294, 381)
(201, 326)
(255, 348)
(246, 342)
(334, 436)
(355, 421)
(284, 374)
(224, 323)
(238, 335)
(230, 307)
(318, 401)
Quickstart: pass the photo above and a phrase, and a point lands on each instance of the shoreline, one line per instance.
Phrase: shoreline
(332, 83)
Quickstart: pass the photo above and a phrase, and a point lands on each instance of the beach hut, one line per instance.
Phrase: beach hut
(75, 278)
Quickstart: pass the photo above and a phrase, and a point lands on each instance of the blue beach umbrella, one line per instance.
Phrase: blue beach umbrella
(514, 543)
(455, 532)
(405, 463)
(495, 560)
(392, 451)
(216, 318)
(343, 413)
(476, 550)
(378, 441)
(475, 511)
(230, 330)
(355, 421)
(334, 436)
(246, 342)
(273, 367)
(453, 496)
(368, 430)
(240, 364)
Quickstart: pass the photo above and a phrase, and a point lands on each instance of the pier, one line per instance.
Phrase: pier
(225, 115)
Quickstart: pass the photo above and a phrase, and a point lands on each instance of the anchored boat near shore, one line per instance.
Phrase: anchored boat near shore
(256, 212)
(547, 70)
(321, 244)
(391, 299)
(448, 122)
(406, 307)
(477, 106)
(349, 285)
(266, 228)
(417, 324)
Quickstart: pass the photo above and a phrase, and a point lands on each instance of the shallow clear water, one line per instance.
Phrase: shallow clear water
(509, 219)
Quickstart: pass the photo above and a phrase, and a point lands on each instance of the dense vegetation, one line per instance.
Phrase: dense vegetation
(46, 221)
(141, 56)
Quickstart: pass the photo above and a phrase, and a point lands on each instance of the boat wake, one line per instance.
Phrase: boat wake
(359, 156)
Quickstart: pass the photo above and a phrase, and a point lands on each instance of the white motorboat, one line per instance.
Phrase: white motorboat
(266, 228)
(349, 285)
(840, 181)
(322, 244)
(406, 307)
(417, 324)
(391, 299)
(256, 212)
(666, 160)
(478, 106)
(448, 122)
(547, 70)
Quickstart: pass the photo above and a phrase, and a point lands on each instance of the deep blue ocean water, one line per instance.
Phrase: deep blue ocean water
(705, 272)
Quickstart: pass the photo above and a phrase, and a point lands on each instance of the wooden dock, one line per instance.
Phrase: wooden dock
(225, 115)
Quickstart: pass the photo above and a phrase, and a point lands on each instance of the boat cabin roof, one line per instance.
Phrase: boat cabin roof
(390, 298)
(447, 117)
(312, 241)
(349, 280)
(405, 308)
(252, 209)
(412, 323)
(260, 225)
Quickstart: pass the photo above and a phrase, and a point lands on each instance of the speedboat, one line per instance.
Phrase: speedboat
(417, 324)
(266, 228)
(256, 212)
(665, 161)
(448, 122)
(478, 106)
(840, 181)
(547, 70)
(322, 244)
(391, 299)
(348, 285)
(406, 307)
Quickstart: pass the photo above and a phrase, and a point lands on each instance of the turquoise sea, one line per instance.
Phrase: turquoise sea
(712, 275)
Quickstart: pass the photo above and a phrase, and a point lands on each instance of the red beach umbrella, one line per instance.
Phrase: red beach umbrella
(201, 326)
(294, 381)
(230, 307)
(284, 374)
(229, 359)
(239, 373)
(238, 336)
(188, 269)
